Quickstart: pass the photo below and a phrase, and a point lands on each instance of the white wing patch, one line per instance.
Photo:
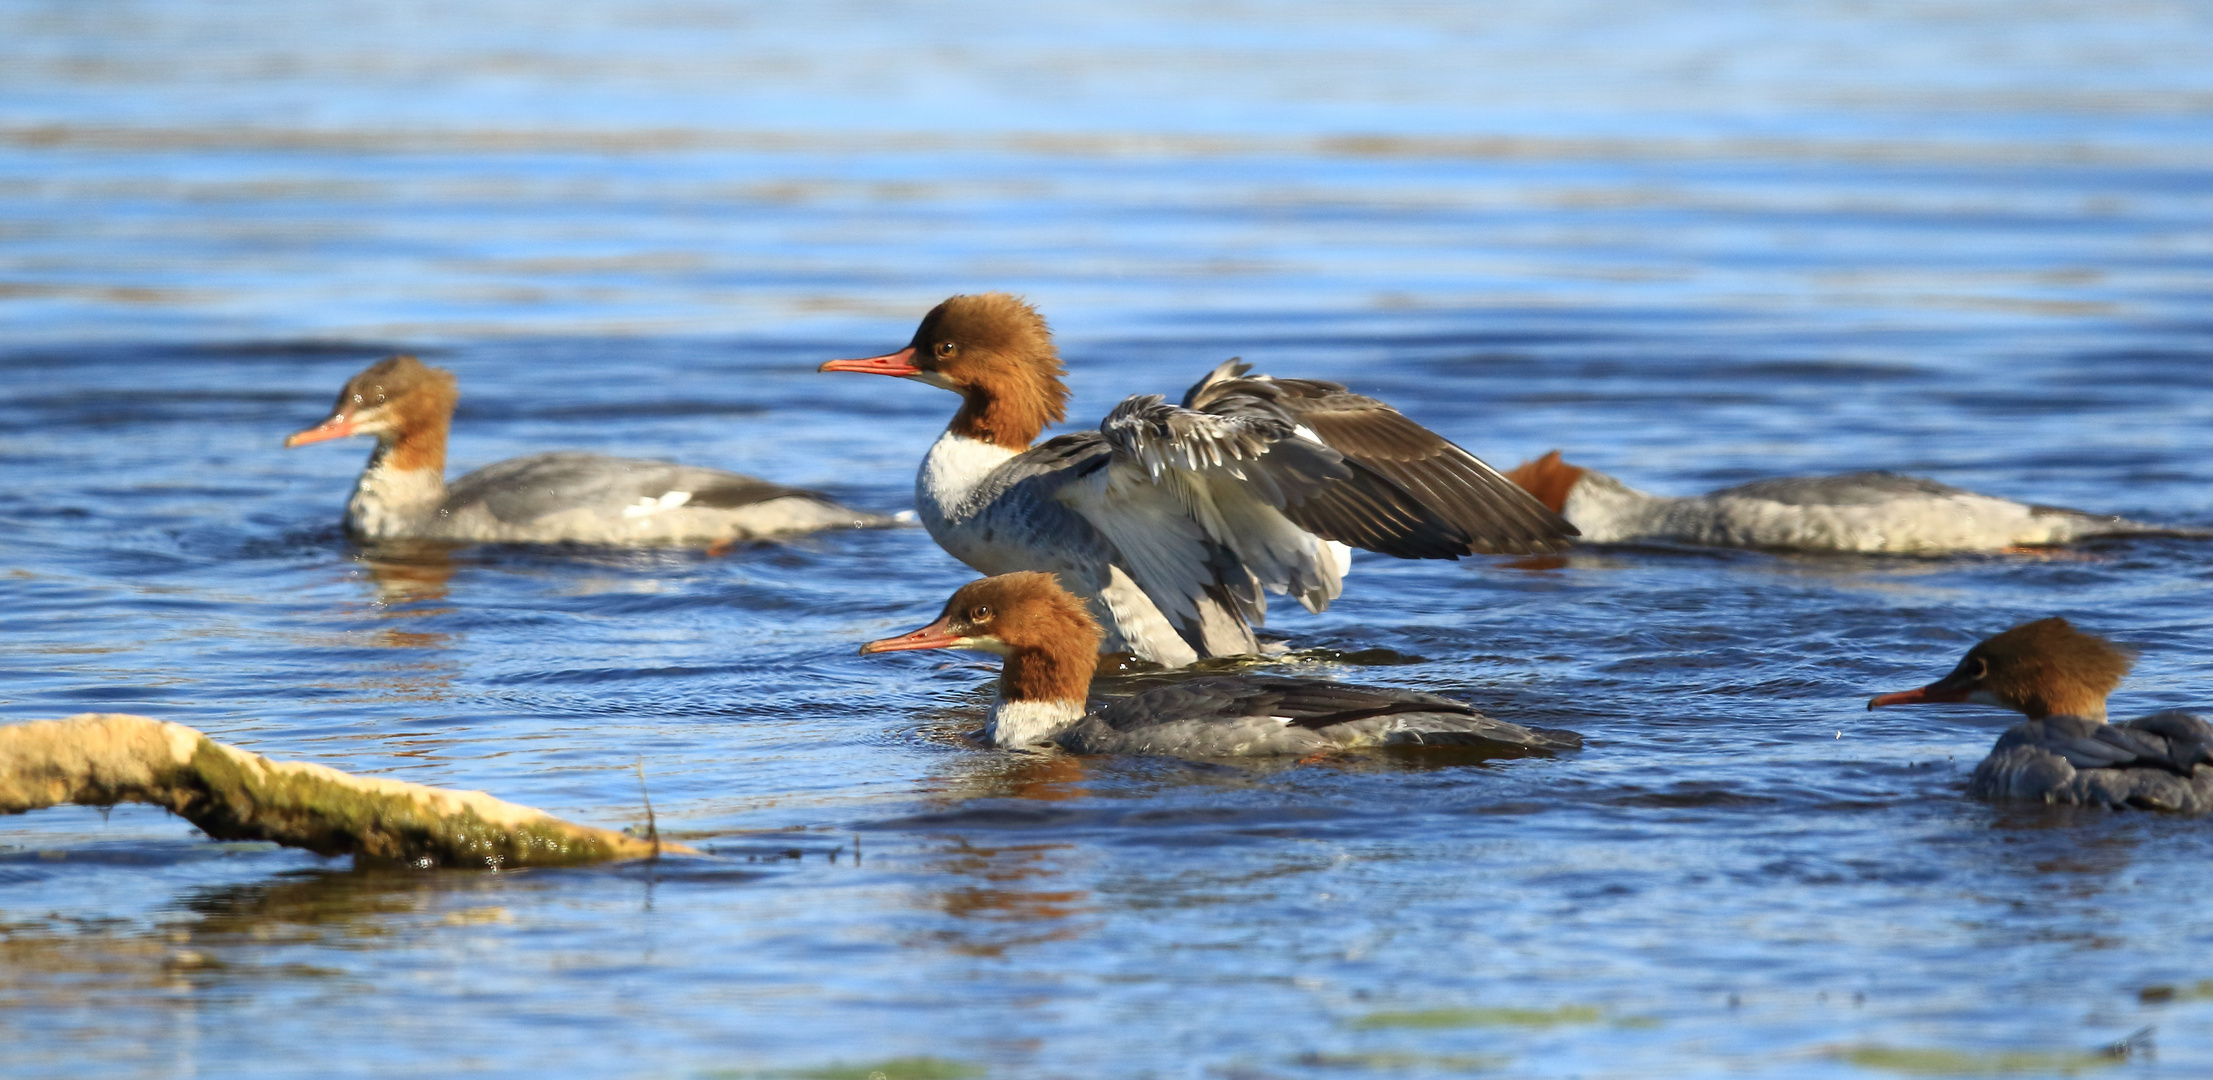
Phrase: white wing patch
(647, 506)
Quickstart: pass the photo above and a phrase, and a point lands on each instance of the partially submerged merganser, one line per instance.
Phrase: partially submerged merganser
(1171, 521)
(543, 498)
(1868, 512)
(2066, 753)
(1051, 641)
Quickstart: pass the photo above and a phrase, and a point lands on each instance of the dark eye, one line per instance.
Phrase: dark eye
(946, 349)
(979, 613)
(1982, 668)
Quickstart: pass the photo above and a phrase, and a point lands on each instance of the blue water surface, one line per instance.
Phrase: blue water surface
(1688, 243)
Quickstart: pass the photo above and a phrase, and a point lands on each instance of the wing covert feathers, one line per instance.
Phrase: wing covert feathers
(1410, 492)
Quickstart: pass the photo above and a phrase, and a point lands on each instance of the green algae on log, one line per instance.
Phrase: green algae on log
(100, 759)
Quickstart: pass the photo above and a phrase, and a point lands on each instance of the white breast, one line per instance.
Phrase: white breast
(949, 499)
(390, 503)
(1027, 723)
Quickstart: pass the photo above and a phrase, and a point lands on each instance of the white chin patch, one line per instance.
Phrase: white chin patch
(934, 379)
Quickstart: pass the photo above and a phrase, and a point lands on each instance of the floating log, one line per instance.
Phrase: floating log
(101, 759)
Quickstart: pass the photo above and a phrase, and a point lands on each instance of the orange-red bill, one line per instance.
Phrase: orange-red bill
(337, 427)
(1933, 694)
(900, 363)
(933, 636)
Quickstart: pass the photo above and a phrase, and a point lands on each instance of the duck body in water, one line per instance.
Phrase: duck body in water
(2066, 753)
(558, 497)
(1880, 513)
(1174, 521)
(1050, 643)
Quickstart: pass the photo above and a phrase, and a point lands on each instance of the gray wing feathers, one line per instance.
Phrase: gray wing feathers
(521, 490)
(1427, 497)
(1334, 712)
(1210, 505)
(2150, 763)
(1881, 486)
(1160, 436)
(1027, 486)
(1845, 489)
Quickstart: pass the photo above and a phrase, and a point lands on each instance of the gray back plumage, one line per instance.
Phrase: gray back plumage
(1307, 703)
(2160, 762)
(1843, 489)
(524, 489)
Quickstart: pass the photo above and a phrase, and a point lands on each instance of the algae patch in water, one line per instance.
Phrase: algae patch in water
(906, 1068)
(1937, 1061)
(1460, 1018)
(2198, 991)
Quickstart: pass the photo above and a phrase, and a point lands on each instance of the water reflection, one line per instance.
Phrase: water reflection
(1006, 897)
(55, 966)
(407, 571)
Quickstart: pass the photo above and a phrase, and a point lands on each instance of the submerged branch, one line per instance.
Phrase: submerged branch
(100, 759)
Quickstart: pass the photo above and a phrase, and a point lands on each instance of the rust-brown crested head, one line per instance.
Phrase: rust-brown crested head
(996, 351)
(2048, 667)
(1021, 612)
(2042, 668)
(1549, 479)
(1050, 639)
(392, 399)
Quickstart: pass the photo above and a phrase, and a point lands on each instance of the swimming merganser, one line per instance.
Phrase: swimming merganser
(2066, 753)
(1172, 521)
(1868, 512)
(1051, 642)
(543, 498)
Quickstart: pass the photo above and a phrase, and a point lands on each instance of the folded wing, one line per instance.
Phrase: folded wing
(525, 489)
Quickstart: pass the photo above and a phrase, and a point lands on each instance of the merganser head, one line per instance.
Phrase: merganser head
(390, 399)
(997, 353)
(1049, 637)
(1549, 479)
(2043, 668)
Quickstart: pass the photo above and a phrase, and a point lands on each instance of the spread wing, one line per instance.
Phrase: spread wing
(1409, 491)
(1195, 502)
(525, 489)
(1253, 485)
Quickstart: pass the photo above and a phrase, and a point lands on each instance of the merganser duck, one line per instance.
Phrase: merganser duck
(2066, 753)
(1867, 512)
(1051, 641)
(543, 498)
(1171, 521)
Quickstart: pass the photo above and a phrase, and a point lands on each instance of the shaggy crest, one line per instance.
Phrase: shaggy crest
(1549, 479)
(408, 405)
(1051, 639)
(394, 378)
(997, 351)
(2048, 667)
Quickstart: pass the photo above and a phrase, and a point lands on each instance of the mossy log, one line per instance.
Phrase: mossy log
(100, 759)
